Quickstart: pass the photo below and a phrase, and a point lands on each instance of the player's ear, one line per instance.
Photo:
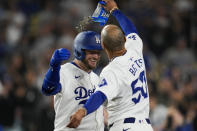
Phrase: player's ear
(104, 47)
(102, 44)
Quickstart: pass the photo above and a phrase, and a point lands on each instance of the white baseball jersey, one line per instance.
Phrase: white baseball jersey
(77, 86)
(124, 83)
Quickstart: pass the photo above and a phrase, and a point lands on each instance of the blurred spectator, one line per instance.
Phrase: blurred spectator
(157, 118)
(16, 23)
(46, 117)
(180, 56)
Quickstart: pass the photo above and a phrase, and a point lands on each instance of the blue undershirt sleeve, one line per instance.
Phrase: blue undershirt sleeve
(94, 102)
(126, 25)
(51, 84)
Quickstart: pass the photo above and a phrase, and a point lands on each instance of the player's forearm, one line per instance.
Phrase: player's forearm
(51, 84)
(94, 102)
(126, 25)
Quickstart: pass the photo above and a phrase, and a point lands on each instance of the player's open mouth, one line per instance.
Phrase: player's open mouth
(93, 62)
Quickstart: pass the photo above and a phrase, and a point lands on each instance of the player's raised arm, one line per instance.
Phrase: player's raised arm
(51, 84)
(126, 25)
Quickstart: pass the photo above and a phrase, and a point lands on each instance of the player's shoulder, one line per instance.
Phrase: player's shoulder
(69, 68)
(110, 68)
(66, 66)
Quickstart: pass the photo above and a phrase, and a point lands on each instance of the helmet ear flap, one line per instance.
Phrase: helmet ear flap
(79, 55)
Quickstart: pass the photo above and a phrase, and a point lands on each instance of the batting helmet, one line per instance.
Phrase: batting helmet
(87, 40)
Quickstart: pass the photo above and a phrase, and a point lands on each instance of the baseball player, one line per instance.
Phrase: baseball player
(73, 83)
(123, 87)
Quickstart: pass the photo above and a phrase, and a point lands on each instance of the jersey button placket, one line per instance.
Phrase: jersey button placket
(92, 85)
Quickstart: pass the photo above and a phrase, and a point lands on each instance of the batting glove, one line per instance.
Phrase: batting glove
(59, 56)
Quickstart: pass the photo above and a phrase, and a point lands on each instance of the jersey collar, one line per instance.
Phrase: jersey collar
(79, 67)
(118, 56)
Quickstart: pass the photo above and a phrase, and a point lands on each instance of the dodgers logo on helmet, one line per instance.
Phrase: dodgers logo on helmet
(98, 41)
(87, 40)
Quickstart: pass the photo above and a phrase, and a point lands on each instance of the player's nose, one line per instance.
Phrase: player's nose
(96, 55)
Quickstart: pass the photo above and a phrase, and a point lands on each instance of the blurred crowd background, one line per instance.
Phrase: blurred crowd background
(30, 30)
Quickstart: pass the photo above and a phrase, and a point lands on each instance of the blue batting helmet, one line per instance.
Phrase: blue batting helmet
(87, 40)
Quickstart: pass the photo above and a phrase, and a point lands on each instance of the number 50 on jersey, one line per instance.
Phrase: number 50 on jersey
(139, 85)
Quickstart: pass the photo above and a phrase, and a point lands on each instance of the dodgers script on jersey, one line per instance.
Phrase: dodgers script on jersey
(77, 86)
(124, 83)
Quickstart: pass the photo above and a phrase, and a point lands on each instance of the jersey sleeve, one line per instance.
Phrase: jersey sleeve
(108, 85)
(134, 42)
(63, 78)
(126, 24)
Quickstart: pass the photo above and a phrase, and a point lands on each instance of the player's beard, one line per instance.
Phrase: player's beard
(88, 63)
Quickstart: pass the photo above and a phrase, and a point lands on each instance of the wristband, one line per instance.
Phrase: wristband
(111, 11)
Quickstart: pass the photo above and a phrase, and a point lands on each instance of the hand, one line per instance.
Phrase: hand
(75, 119)
(59, 56)
(110, 5)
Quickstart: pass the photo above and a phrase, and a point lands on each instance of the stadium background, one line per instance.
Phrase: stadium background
(30, 30)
